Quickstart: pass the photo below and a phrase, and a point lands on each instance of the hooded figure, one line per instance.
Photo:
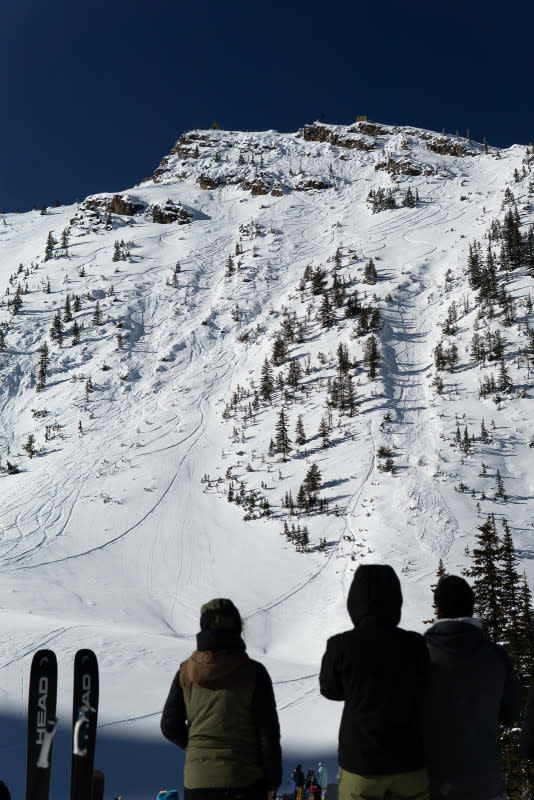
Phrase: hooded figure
(380, 671)
(221, 710)
(473, 688)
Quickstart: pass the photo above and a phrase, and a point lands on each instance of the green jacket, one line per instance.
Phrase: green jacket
(221, 710)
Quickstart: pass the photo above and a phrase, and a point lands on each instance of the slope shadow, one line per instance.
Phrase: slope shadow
(136, 767)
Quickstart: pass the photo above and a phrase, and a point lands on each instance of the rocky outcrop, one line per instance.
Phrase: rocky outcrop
(205, 182)
(319, 133)
(170, 212)
(403, 168)
(305, 186)
(256, 187)
(121, 205)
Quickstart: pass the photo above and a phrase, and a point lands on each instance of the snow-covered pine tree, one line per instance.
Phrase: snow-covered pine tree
(282, 441)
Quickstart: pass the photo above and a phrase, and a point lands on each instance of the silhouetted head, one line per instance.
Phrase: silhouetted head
(220, 614)
(375, 595)
(453, 598)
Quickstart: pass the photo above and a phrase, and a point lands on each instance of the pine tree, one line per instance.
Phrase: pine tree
(300, 435)
(65, 234)
(56, 331)
(499, 486)
(117, 254)
(16, 305)
(484, 571)
(97, 314)
(325, 312)
(29, 445)
(49, 248)
(43, 367)
(282, 440)
(294, 374)
(324, 431)
(371, 356)
(369, 272)
(2, 341)
(266, 382)
(75, 333)
(67, 313)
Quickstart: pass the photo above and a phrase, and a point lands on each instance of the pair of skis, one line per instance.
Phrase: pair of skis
(42, 723)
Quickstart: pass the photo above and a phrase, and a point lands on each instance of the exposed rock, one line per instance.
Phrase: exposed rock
(445, 147)
(402, 168)
(304, 186)
(121, 205)
(256, 187)
(318, 133)
(171, 212)
(370, 129)
(205, 182)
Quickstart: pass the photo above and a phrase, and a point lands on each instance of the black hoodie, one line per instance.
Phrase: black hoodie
(380, 671)
(473, 688)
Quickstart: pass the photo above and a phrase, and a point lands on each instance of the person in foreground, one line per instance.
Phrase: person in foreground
(380, 671)
(473, 688)
(221, 710)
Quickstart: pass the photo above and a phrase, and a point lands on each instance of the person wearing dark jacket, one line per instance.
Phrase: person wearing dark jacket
(526, 741)
(380, 671)
(473, 688)
(300, 780)
(221, 710)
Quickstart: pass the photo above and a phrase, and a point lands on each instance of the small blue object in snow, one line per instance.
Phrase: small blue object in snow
(168, 794)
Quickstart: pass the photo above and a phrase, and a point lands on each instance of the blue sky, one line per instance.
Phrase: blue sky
(94, 94)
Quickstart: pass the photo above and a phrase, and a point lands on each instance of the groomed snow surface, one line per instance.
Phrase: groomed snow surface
(109, 536)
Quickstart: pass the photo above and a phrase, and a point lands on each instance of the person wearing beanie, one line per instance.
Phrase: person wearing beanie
(221, 710)
(380, 672)
(473, 689)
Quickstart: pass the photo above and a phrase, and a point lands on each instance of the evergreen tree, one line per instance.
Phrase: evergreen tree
(294, 374)
(117, 254)
(300, 435)
(486, 579)
(43, 367)
(2, 341)
(371, 356)
(324, 431)
(282, 440)
(369, 272)
(56, 331)
(266, 382)
(97, 314)
(326, 313)
(16, 305)
(67, 313)
(29, 445)
(49, 248)
(75, 333)
(279, 354)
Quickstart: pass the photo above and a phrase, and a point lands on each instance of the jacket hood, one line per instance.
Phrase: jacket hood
(457, 637)
(205, 667)
(375, 595)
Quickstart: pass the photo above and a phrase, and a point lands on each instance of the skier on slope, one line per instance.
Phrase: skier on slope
(221, 710)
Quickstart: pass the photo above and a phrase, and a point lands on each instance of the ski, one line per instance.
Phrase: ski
(42, 697)
(84, 719)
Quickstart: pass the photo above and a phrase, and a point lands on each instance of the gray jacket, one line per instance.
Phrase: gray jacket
(473, 688)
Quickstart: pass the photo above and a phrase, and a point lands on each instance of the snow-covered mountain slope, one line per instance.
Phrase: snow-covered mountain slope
(117, 525)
